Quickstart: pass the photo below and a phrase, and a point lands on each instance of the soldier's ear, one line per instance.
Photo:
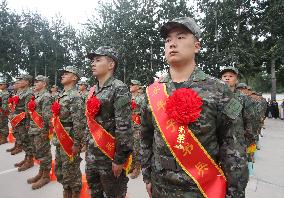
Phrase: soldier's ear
(112, 65)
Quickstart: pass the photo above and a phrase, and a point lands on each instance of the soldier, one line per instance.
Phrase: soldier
(11, 109)
(4, 95)
(188, 119)
(244, 131)
(39, 110)
(68, 124)
(136, 103)
(20, 121)
(54, 91)
(83, 89)
(108, 111)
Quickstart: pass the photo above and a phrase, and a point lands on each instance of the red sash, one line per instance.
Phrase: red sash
(104, 140)
(136, 118)
(185, 147)
(65, 140)
(37, 119)
(17, 119)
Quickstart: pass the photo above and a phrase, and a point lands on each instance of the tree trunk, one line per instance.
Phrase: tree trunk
(273, 80)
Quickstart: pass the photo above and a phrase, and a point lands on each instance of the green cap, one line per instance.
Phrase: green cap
(26, 77)
(41, 78)
(241, 86)
(104, 51)
(185, 22)
(231, 69)
(135, 82)
(83, 82)
(71, 69)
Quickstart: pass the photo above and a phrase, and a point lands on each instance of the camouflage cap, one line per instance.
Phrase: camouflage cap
(41, 78)
(241, 86)
(83, 82)
(3, 81)
(71, 69)
(185, 22)
(26, 77)
(249, 88)
(231, 69)
(135, 82)
(104, 51)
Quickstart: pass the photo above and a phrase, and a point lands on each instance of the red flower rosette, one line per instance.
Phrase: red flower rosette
(184, 106)
(32, 104)
(10, 100)
(133, 104)
(93, 106)
(55, 108)
(16, 100)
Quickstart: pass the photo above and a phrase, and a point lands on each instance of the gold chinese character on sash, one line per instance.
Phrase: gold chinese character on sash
(100, 134)
(181, 138)
(171, 125)
(161, 105)
(62, 136)
(201, 167)
(109, 146)
(156, 89)
(181, 129)
(185, 149)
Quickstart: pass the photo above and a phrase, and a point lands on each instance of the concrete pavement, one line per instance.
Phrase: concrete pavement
(267, 181)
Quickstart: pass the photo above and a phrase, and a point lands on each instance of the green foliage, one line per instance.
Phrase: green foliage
(247, 34)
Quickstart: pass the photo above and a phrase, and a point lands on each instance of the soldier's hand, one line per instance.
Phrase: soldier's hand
(75, 149)
(117, 169)
(149, 189)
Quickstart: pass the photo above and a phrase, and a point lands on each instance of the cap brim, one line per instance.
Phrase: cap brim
(66, 70)
(228, 70)
(167, 27)
(92, 55)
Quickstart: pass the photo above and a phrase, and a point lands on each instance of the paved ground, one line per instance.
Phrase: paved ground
(266, 182)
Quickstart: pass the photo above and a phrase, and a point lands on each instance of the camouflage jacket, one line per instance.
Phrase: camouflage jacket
(115, 117)
(4, 95)
(214, 129)
(25, 96)
(84, 97)
(72, 115)
(247, 114)
(43, 102)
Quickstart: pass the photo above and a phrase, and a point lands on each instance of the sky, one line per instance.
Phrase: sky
(74, 12)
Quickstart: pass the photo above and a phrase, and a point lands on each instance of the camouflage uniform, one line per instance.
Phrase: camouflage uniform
(84, 96)
(4, 129)
(21, 130)
(40, 138)
(72, 117)
(136, 128)
(215, 130)
(115, 117)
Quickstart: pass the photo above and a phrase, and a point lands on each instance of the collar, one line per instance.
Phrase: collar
(196, 76)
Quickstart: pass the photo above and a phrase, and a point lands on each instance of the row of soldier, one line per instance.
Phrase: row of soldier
(190, 132)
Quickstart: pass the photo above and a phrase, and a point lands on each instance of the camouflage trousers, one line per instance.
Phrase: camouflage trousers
(102, 182)
(164, 185)
(136, 157)
(24, 139)
(68, 171)
(4, 129)
(235, 164)
(42, 151)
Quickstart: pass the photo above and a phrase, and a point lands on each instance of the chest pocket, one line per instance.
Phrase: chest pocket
(64, 107)
(233, 108)
(106, 110)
